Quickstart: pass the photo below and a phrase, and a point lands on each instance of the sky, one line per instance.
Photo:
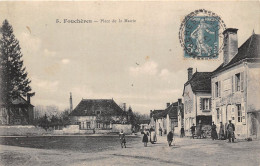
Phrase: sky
(140, 64)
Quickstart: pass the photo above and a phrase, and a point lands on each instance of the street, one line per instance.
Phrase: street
(186, 151)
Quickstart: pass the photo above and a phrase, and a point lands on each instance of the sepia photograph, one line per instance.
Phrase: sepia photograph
(129, 83)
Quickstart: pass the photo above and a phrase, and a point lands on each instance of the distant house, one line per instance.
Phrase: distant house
(97, 114)
(235, 85)
(197, 99)
(144, 123)
(167, 119)
(20, 112)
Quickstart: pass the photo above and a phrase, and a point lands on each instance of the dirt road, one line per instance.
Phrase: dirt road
(186, 152)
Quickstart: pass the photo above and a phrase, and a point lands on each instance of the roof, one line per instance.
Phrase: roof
(144, 121)
(172, 110)
(19, 101)
(248, 51)
(200, 82)
(88, 107)
(156, 113)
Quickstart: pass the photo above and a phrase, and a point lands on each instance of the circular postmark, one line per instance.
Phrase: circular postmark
(201, 34)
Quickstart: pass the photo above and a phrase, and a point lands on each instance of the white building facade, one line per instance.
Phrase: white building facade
(236, 84)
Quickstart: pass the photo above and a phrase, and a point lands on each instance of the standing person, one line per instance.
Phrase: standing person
(214, 134)
(153, 138)
(160, 130)
(170, 137)
(182, 131)
(221, 131)
(192, 130)
(145, 138)
(230, 130)
(122, 138)
(199, 130)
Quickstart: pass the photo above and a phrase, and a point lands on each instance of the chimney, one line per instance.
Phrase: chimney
(71, 105)
(230, 44)
(151, 113)
(190, 73)
(124, 107)
(167, 105)
(179, 101)
(29, 95)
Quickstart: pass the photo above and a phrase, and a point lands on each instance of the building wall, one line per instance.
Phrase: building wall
(18, 115)
(83, 121)
(227, 105)
(253, 88)
(193, 107)
(253, 104)
(200, 110)
(189, 108)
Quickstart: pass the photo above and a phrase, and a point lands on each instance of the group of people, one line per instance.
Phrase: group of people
(228, 132)
(224, 133)
(146, 135)
(199, 132)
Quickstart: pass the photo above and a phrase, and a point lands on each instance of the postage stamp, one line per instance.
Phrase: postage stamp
(201, 35)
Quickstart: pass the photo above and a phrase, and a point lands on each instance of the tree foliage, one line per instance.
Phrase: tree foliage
(14, 79)
(53, 120)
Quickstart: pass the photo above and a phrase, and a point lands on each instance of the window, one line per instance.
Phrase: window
(205, 104)
(217, 89)
(98, 112)
(98, 125)
(88, 125)
(79, 123)
(237, 82)
(239, 113)
(3, 112)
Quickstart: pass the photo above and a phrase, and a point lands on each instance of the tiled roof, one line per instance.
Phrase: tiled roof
(19, 101)
(172, 110)
(248, 51)
(200, 82)
(88, 107)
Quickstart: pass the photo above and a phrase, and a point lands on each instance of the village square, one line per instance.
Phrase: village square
(97, 105)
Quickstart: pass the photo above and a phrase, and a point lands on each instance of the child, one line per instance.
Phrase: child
(122, 139)
(145, 138)
(170, 138)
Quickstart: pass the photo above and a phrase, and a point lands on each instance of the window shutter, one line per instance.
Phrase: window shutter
(232, 84)
(242, 81)
(210, 104)
(243, 111)
(213, 92)
(219, 88)
(201, 104)
(220, 115)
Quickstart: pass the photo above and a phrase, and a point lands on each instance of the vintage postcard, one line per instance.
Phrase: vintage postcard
(130, 83)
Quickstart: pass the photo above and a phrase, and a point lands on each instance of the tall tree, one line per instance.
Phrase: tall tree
(13, 76)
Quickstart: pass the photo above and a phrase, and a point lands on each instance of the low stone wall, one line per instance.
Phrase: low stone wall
(70, 129)
(125, 127)
(22, 130)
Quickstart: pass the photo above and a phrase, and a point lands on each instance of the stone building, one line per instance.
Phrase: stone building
(97, 114)
(21, 112)
(168, 119)
(197, 99)
(236, 84)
